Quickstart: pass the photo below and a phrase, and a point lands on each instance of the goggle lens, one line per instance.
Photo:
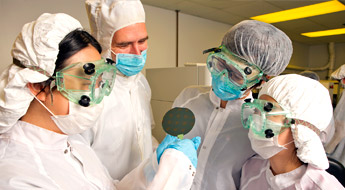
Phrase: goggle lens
(93, 80)
(261, 116)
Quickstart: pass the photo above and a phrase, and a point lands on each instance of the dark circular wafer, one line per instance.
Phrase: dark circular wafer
(178, 121)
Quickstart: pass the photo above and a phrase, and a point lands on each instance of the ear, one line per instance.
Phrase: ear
(36, 89)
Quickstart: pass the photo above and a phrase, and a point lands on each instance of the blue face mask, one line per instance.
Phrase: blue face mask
(224, 91)
(130, 64)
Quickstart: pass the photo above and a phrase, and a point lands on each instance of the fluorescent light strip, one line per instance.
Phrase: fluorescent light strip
(302, 12)
(325, 33)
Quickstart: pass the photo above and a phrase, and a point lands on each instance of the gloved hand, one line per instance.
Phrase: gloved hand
(188, 146)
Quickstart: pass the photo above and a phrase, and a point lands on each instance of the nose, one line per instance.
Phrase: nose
(135, 49)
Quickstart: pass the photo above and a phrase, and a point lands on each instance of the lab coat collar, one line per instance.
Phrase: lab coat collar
(284, 180)
(37, 136)
(126, 81)
(230, 104)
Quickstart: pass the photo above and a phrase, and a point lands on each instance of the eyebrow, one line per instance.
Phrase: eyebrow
(127, 43)
(144, 39)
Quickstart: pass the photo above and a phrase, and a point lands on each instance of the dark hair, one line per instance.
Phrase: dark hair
(72, 43)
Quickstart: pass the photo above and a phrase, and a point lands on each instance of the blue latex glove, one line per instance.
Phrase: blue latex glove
(188, 146)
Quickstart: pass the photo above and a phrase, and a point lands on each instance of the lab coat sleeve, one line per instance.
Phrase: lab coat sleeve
(174, 172)
(189, 93)
(339, 124)
(155, 143)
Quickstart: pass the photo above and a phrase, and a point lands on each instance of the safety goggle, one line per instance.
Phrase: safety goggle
(264, 118)
(240, 74)
(86, 83)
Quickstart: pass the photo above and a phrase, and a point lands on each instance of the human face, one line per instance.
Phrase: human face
(60, 104)
(131, 39)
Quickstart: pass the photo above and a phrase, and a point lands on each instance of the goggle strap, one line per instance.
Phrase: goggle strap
(51, 86)
(264, 78)
(277, 113)
(34, 68)
(110, 61)
(215, 50)
(307, 124)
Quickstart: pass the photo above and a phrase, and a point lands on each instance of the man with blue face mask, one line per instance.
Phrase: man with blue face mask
(251, 51)
(122, 137)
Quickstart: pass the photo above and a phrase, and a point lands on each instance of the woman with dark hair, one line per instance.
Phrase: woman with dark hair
(51, 93)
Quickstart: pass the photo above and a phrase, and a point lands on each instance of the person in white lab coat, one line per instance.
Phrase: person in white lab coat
(285, 127)
(336, 147)
(52, 92)
(250, 52)
(119, 26)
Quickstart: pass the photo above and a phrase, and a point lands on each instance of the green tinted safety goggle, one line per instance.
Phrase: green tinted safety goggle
(240, 74)
(265, 118)
(86, 83)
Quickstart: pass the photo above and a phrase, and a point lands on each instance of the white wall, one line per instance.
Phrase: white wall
(161, 29)
(15, 13)
(195, 34)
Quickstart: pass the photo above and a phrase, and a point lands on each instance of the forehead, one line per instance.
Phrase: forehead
(270, 99)
(131, 33)
(88, 53)
(267, 98)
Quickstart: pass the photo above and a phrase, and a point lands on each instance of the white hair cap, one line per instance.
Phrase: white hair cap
(307, 100)
(310, 74)
(108, 16)
(339, 73)
(34, 54)
(261, 44)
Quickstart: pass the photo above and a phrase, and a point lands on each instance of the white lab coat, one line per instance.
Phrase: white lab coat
(256, 174)
(122, 136)
(224, 142)
(36, 158)
(338, 141)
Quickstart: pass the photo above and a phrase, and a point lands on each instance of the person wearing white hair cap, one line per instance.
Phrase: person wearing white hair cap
(310, 74)
(251, 51)
(336, 147)
(119, 26)
(285, 127)
(44, 105)
(51, 93)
